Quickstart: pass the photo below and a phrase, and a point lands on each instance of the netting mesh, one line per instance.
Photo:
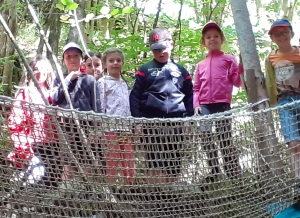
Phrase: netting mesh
(233, 164)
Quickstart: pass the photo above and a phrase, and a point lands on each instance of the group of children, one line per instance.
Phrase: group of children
(162, 89)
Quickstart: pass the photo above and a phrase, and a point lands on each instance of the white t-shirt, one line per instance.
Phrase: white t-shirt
(114, 98)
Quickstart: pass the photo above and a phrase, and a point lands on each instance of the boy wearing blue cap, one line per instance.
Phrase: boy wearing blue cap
(282, 81)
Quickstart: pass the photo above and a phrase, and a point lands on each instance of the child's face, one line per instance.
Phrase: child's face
(96, 62)
(213, 40)
(163, 55)
(282, 36)
(72, 59)
(40, 71)
(114, 64)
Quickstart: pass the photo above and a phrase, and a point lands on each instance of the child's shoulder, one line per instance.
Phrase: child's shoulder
(180, 67)
(293, 56)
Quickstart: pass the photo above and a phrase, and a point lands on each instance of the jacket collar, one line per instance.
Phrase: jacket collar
(214, 53)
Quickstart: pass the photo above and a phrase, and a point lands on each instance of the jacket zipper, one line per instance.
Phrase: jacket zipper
(210, 99)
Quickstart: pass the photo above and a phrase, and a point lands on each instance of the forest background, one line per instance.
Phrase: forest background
(126, 25)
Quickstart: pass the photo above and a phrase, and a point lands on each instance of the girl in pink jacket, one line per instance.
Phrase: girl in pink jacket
(214, 80)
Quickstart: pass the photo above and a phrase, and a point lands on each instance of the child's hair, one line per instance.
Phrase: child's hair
(26, 80)
(92, 54)
(110, 51)
(50, 76)
(204, 33)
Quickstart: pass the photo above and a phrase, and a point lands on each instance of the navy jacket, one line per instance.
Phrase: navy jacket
(162, 90)
(81, 92)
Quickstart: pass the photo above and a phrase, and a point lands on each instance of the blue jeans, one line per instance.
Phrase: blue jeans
(290, 118)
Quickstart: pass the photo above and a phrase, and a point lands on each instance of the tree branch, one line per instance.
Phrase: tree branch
(157, 14)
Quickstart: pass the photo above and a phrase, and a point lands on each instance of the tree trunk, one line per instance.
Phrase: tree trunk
(73, 35)
(270, 163)
(46, 27)
(155, 22)
(7, 48)
(55, 30)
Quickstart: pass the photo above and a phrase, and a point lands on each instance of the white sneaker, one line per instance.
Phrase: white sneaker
(108, 195)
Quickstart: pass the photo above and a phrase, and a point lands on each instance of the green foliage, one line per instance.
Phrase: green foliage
(66, 5)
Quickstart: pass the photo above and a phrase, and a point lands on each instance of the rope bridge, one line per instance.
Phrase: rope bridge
(107, 167)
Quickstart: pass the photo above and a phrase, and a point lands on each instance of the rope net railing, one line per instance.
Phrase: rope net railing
(214, 166)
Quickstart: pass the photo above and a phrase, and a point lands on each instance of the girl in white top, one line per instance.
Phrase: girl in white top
(114, 97)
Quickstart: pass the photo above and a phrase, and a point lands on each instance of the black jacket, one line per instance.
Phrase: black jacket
(81, 92)
(162, 90)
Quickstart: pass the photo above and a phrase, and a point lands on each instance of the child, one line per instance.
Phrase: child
(93, 64)
(114, 97)
(81, 89)
(214, 80)
(31, 131)
(162, 89)
(282, 80)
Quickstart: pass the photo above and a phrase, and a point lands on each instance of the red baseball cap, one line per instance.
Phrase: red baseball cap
(211, 25)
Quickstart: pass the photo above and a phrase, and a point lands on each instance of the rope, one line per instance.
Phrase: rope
(249, 180)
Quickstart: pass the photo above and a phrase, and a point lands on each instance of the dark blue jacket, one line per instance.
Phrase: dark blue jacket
(81, 92)
(162, 90)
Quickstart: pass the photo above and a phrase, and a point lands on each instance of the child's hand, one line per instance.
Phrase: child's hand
(94, 137)
(241, 59)
(197, 111)
(138, 129)
(73, 75)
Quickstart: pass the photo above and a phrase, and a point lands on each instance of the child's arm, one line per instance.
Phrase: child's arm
(17, 115)
(234, 73)
(270, 83)
(196, 88)
(95, 98)
(187, 90)
(100, 85)
(57, 92)
(135, 97)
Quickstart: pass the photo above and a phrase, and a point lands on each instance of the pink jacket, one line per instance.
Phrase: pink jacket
(215, 77)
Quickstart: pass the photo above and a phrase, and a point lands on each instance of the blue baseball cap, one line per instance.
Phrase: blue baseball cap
(280, 22)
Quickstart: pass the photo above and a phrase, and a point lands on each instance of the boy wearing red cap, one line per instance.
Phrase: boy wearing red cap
(162, 89)
(282, 81)
(215, 77)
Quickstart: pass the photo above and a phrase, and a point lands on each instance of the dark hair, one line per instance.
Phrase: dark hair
(110, 51)
(92, 54)
(203, 34)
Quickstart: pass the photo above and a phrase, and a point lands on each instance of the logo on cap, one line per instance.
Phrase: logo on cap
(155, 37)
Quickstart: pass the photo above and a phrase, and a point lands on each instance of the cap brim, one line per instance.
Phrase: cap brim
(279, 25)
(159, 45)
(70, 48)
(209, 26)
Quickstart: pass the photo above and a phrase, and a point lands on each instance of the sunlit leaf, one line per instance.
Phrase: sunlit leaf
(114, 12)
(89, 17)
(60, 6)
(72, 6)
(64, 17)
(65, 2)
(104, 10)
(127, 10)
